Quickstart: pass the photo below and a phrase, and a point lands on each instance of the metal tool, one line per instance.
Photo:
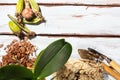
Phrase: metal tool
(92, 54)
(110, 61)
(85, 54)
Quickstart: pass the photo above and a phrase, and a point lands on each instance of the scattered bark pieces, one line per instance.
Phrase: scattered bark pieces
(18, 53)
(1, 45)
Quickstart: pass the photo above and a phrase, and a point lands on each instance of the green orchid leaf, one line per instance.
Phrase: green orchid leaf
(19, 6)
(15, 72)
(57, 61)
(24, 28)
(52, 58)
(14, 28)
(38, 57)
(36, 20)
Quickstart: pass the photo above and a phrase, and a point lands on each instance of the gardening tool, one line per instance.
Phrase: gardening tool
(88, 54)
(109, 61)
(85, 54)
(111, 71)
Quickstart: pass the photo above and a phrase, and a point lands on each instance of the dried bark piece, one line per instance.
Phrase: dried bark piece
(19, 52)
(1, 45)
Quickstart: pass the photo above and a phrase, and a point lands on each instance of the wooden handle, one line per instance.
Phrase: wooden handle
(110, 71)
(115, 66)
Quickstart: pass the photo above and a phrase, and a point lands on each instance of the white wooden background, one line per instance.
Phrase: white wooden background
(83, 23)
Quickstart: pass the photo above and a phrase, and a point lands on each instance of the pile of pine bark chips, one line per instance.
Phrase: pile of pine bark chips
(19, 52)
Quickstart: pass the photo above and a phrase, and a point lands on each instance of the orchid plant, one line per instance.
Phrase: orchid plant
(48, 61)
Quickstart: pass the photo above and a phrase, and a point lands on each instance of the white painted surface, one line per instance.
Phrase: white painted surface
(71, 19)
(109, 46)
(71, 1)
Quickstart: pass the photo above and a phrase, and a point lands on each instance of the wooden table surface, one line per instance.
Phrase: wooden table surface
(83, 23)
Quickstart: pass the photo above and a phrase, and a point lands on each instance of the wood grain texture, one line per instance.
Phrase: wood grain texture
(83, 23)
(70, 1)
(71, 20)
(107, 46)
(68, 35)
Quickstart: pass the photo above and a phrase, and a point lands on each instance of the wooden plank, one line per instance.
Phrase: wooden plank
(108, 46)
(71, 20)
(70, 1)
